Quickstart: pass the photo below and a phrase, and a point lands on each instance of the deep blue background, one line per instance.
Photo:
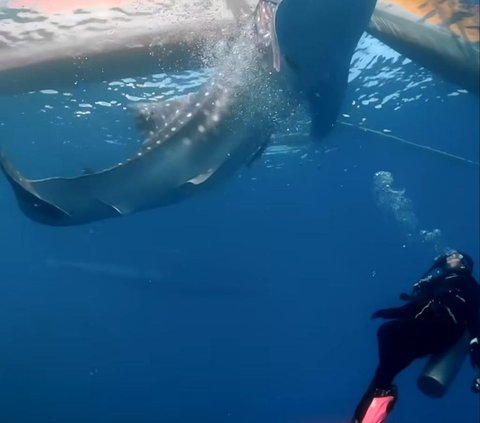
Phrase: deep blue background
(248, 304)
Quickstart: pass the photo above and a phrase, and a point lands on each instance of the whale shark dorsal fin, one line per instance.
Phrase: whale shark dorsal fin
(265, 16)
(153, 117)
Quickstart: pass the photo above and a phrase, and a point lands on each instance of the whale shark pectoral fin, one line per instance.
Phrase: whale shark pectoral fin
(200, 179)
(153, 117)
(122, 211)
(258, 153)
(265, 16)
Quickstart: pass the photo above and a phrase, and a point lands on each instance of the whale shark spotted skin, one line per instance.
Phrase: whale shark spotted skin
(283, 57)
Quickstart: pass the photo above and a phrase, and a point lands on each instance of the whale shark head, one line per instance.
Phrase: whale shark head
(317, 39)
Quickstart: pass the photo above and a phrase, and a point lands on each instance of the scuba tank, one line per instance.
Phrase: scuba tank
(442, 368)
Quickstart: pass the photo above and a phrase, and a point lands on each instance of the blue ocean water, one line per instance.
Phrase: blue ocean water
(250, 303)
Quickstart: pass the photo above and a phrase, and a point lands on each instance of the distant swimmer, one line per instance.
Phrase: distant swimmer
(441, 318)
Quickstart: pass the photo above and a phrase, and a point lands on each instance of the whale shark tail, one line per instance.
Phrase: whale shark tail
(29, 201)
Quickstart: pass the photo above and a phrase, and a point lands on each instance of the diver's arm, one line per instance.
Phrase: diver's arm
(405, 311)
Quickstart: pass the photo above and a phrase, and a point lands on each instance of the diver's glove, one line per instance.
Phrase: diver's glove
(402, 312)
(388, 313)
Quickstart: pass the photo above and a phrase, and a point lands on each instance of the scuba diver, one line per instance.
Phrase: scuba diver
(443, 304)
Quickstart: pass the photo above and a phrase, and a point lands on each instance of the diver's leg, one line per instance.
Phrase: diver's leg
(395, 354)
(396, 350)
(377, 406)
(399, 343)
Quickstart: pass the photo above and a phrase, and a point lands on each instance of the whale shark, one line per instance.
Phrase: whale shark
(288, 55)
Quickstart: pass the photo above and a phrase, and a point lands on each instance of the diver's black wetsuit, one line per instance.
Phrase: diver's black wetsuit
(437, 314)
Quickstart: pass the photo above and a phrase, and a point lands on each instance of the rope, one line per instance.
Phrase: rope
(412, 144)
